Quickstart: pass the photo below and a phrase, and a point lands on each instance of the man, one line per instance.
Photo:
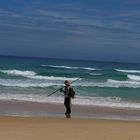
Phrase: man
(68, 93)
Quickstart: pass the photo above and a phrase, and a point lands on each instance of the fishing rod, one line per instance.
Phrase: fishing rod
(70, 83)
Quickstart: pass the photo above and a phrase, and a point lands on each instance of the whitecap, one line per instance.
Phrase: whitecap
(51, 78)
(26, 83)
(134, 77)
(19, 72)
(128, 71)
(117, 83)
(68, 67)
(61, 67)
(33, 75)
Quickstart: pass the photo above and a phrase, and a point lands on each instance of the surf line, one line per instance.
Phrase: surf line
(70, 83)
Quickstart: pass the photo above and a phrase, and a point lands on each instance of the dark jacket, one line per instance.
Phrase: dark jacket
(68, 92)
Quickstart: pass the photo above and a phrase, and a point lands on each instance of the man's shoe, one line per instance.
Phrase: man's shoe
(68, 116)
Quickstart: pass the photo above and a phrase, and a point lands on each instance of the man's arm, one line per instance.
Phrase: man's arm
(61, 89)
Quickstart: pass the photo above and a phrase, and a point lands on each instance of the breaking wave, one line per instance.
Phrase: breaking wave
(117, 83)
(18, 72)
(60, 67)
(35, 80)
(67, 67)
(110, 83)
(128, 71)
(51, 78)
(80, 100)
(33, 75)
(25, 83)
(134, 77)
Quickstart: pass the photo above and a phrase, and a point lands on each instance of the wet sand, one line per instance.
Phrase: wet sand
(57, 110)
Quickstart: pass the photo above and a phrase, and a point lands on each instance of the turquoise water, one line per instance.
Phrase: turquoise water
(107, 84)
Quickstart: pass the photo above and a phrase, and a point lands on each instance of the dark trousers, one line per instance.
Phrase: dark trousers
(67, 103)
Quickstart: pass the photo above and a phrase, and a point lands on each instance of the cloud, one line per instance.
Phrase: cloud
(54, 14)
(5, 12)
(71, 24)
(68, 16)
(8, 15)
(71, 14)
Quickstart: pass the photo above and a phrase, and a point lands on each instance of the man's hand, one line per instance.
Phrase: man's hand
(61, 89)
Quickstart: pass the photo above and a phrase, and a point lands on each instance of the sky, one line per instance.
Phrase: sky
(104, 30)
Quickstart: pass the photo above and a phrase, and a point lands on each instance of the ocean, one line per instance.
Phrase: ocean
(98, 84)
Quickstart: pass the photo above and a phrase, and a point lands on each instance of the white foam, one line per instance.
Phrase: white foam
(95, 74)
(26, 83)
(79, 100)
(33, 75)
(116, 83)
(58, 82)
(51, 78)
(19, 72)
(109, 83)
(105, 102)
(128, 71)
(67, 67)
(61, 67)
(114, 98)
(88, 68)
(134, 77)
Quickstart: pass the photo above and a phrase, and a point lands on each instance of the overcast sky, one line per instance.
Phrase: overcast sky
(106, 30)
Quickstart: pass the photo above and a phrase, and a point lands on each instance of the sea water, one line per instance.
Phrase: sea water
(101, 84)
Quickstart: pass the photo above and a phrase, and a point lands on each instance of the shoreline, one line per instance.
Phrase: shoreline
(35, 109)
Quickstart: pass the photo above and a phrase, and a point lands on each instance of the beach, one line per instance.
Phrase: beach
(86, 122)
(69, 70)
(55, 128)
(106, 105)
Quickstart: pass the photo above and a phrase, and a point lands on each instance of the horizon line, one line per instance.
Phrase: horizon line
(43, 57)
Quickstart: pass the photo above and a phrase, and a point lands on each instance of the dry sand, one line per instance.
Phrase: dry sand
(29, 128)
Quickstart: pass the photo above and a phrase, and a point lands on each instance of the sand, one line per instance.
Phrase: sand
(54, 128)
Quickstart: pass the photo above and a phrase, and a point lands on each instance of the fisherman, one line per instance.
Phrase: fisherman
(68, 94)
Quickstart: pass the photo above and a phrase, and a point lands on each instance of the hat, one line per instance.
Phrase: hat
(66, 82)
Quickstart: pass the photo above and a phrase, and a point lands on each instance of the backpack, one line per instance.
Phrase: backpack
(72, 93)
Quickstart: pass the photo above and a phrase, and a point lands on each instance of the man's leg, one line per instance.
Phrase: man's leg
(68, 108)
